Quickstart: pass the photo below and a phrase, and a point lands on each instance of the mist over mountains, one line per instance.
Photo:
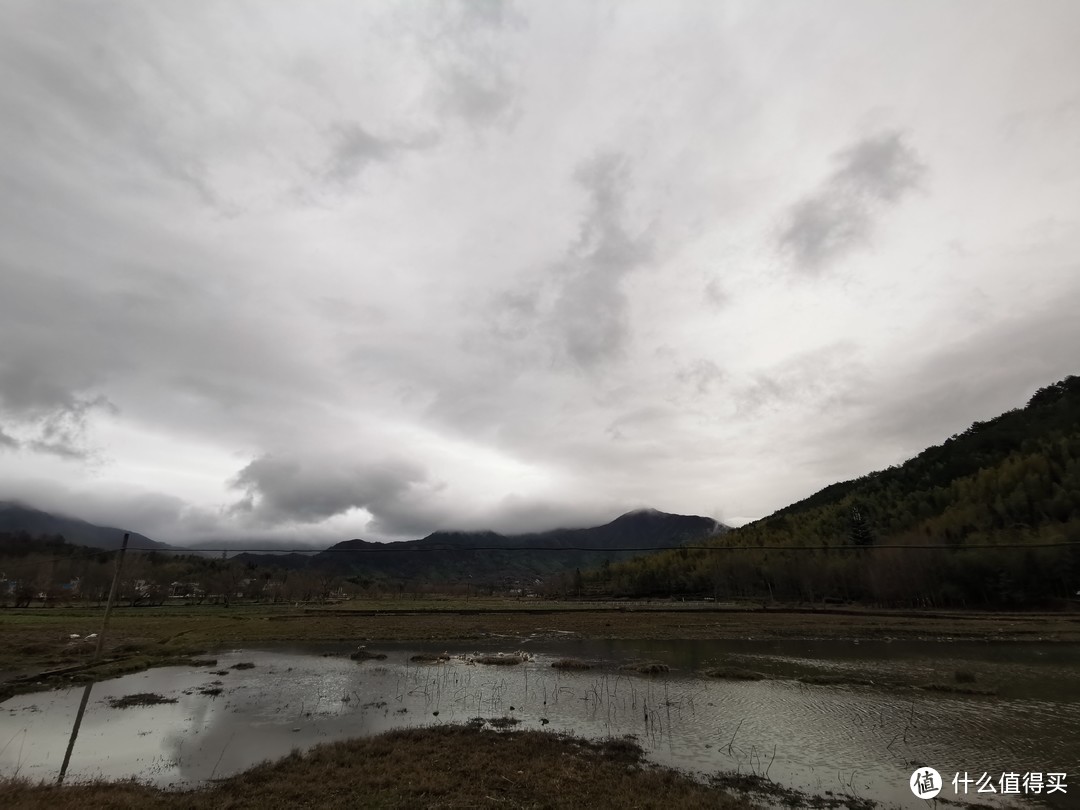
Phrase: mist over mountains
(18, 517)
(444, 556)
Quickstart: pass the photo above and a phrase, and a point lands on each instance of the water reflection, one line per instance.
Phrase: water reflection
(860, 740)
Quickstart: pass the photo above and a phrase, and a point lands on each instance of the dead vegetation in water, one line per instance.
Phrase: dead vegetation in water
(447, 766)
(365, 655)
(243, 665)
(735, 674)
(430, 658)
(139, 699)
(572, 664)
(646, 668)
(500, 659)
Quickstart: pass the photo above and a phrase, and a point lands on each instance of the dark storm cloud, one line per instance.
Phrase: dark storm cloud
(288, 488)
(870, 176)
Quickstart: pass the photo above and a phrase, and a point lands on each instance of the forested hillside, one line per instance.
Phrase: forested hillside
(1014, 480)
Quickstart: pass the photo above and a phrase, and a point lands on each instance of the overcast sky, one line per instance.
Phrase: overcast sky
(324, 270)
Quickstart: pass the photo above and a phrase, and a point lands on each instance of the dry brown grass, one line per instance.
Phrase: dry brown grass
(446, 767)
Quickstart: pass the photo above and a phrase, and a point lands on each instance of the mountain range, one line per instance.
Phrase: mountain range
(482, 557)
(489, 557)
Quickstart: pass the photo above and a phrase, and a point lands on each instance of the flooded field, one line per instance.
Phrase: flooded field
(862, 739)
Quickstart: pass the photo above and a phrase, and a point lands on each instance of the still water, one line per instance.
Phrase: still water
(861, 740)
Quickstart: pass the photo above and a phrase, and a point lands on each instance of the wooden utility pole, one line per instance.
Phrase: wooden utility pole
(112, 597)
(97, 653)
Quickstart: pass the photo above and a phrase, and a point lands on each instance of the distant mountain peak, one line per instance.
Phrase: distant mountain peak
(643, 510)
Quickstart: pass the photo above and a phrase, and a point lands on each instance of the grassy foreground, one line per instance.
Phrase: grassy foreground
(448, 766)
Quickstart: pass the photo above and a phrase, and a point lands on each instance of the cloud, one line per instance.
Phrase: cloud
(715, 295)
(702, 375)
(473, 59)
(49, 417)
(517, 514)
(824, 377)
(280, 488)
(360, 250)
(478, 97)
(869, 177)
(8, 442)
(100, 112)
(353, 148)
(490, 13)
(578, 305)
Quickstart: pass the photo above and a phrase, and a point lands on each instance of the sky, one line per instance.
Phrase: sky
(337, 269)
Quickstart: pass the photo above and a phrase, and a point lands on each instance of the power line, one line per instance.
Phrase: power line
(444, 549)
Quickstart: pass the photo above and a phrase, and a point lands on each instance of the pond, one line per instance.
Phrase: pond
(862, 738)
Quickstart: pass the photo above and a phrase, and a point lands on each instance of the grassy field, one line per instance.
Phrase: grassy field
(37, 641)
